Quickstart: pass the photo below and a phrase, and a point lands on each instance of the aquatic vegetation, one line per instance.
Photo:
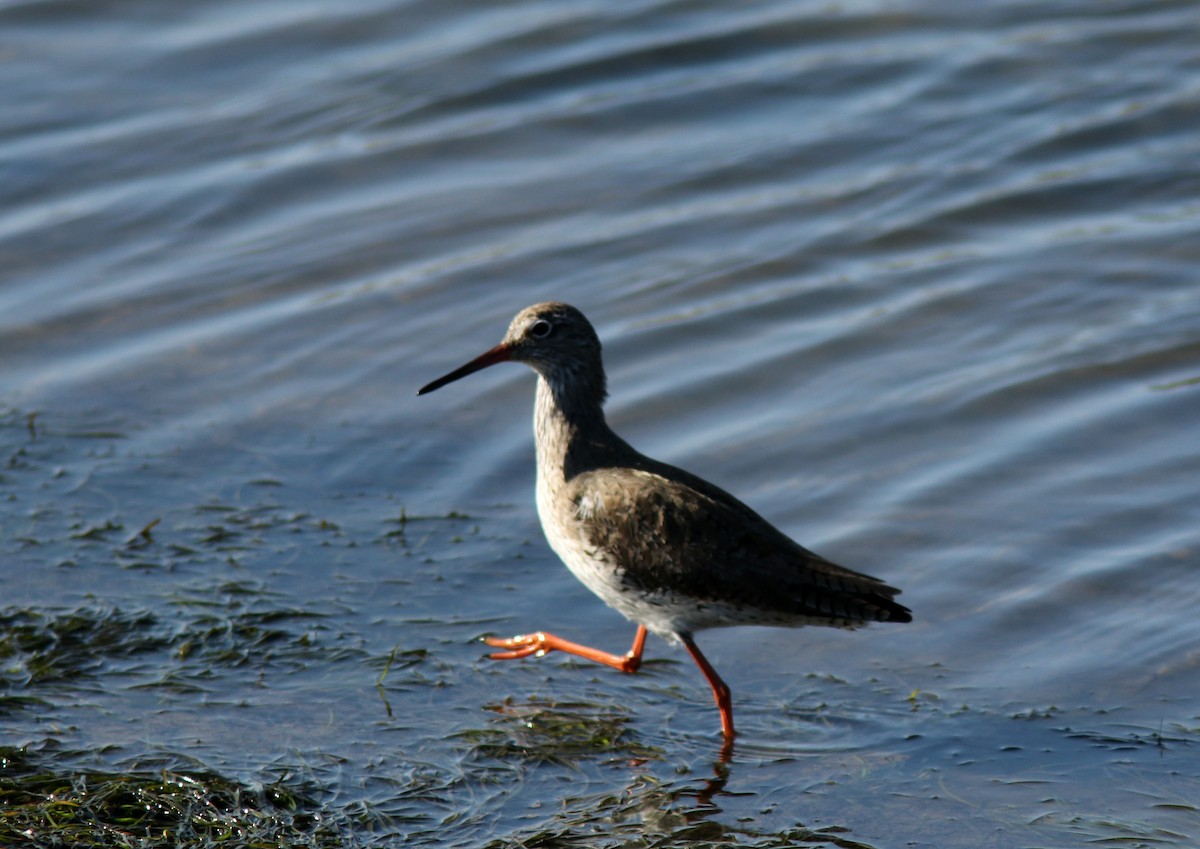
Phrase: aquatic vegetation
(557, 732)
(43, 652)
(42, 804)
(38, 647)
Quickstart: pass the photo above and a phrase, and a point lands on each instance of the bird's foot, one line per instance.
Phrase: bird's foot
(522, 645)
(540, 643)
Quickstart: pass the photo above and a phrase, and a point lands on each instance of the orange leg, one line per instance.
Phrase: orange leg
(542, 643)
(720, 689)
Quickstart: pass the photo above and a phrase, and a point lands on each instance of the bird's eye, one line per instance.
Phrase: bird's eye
(541, 328)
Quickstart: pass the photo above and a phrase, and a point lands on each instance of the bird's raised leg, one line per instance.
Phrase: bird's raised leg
(720, 689)
(542, 643)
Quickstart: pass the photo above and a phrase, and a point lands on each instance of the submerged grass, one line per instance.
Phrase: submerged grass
(557, 732)
(44, 652)
(237, 623)
(38, 647)
(42, 805)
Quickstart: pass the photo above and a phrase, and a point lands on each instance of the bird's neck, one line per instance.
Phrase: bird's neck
(569, 427)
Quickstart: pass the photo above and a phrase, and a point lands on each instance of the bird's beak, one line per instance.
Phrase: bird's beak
(500, 354)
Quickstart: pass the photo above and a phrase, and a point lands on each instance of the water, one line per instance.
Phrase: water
(917, 282)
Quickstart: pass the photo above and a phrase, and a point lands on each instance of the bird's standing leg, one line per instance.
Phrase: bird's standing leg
(720, 689)
(542, 643)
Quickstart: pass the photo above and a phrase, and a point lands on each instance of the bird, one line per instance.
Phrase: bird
(670, 551)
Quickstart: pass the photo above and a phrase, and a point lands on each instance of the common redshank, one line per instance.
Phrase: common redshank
(670, 551)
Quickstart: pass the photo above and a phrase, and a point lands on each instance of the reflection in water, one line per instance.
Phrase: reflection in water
(667, 812)
(722, 769)
(529, 733)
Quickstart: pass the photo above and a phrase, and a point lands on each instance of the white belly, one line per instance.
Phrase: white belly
(665, 616)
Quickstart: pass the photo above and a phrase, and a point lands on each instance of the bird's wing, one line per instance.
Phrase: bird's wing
(670, 532)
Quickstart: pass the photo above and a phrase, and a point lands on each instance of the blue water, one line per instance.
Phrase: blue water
(915, 281)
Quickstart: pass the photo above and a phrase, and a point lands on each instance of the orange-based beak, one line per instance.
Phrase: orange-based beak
(501, 353)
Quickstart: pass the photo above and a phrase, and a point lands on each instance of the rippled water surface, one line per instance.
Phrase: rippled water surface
(916, 280)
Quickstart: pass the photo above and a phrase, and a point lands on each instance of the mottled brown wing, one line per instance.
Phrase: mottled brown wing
(672, 533)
